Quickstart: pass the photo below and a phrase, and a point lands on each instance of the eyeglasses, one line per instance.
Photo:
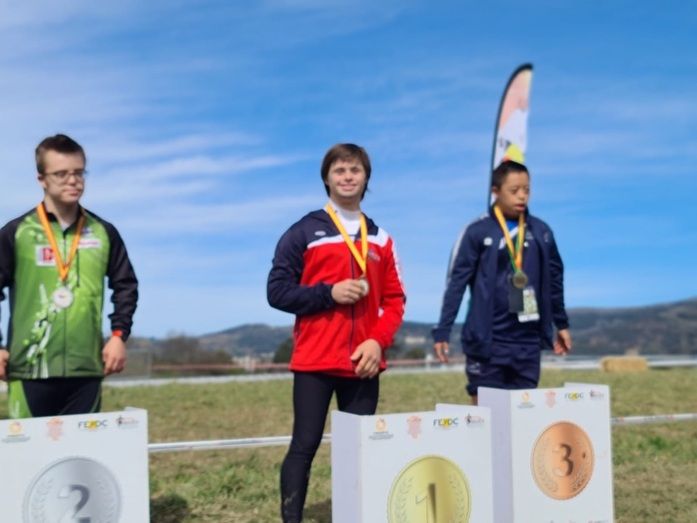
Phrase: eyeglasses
(64, 176)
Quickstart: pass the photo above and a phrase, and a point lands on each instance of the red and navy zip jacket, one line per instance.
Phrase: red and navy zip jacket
(310, 257)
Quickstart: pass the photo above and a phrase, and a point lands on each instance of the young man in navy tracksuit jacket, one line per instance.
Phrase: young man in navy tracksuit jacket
(510, 262)
(338, 273)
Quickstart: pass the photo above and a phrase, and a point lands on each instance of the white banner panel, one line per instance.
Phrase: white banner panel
(553, 454)
(412, 468)
(89, 468)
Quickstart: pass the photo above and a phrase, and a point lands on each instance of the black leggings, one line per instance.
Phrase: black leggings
(312, 393)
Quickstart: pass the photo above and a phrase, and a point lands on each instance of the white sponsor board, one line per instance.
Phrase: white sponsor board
(553, 454)
(412, 467)
(83, 468)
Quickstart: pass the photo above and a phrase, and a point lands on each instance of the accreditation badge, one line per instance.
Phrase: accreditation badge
(529, 311)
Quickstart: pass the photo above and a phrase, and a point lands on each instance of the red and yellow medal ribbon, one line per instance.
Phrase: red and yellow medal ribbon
(362, 257)
(63, 267)
(515, 253)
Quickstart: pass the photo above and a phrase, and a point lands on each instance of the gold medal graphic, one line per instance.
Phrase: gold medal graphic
(430, 489)
(562, 460)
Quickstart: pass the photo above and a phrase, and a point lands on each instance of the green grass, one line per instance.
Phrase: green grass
(655, 466)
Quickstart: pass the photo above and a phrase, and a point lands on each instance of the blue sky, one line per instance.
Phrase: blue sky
(205, 124)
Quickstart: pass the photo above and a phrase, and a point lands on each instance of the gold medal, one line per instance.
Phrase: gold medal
(520, 279)
(62, 297)
(430, 488)
(562, 460)
(365, 286)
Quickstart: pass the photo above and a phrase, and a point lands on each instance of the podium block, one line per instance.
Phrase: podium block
(552, 454)
(84, 468)
(413, 467)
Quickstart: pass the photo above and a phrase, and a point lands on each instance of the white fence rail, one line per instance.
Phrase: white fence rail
(275, 441)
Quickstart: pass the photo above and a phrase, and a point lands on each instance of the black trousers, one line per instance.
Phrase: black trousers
(63, 396)
(312, 393)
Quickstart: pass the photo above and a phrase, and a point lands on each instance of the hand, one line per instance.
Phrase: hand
(562, 345)
(4, 357)
(348, 292)
(114, 355)
(442, 349)
(367, 357)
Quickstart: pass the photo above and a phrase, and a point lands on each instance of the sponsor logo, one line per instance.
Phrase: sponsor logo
(597, 395)
(124, 422)
(414, 426)
(550, 398)
(488, 241)
(381, 431)
(44, 256)
(525, 402)
(15, 433)
(474, 420)
(92, 425)
(574, 396)
(90, 243)
(446, 423)
(55, 428)
(474, 367)
(320, 233)
(373, 255)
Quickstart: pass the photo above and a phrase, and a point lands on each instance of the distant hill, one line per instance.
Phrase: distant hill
(657, 329)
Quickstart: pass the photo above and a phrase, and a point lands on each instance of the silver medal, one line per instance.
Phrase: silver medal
(73, 489)
(62, 297)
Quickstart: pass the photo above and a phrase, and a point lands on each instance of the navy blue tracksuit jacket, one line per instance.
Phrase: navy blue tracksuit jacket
(474, 264)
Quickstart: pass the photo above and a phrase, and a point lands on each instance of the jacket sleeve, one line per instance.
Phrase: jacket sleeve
(556, 271)
(7, 262)
(392, 301)
(122, 281)
(463, 264)
(283, 288)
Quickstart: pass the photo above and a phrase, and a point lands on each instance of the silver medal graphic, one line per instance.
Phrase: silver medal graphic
(73, 489)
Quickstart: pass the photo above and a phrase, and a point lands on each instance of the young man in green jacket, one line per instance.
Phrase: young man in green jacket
(54, 260)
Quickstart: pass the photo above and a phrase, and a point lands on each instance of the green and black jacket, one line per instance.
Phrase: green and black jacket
(47, 341)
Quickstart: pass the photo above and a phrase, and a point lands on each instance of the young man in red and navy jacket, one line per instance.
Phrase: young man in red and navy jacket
(338, 273)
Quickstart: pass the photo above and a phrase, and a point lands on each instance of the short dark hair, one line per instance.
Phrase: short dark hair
(345, 151)
(60, 143)
(504, 169)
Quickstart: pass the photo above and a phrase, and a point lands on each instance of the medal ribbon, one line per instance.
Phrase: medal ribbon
(362, 257)
(63, 267)
(515, 253)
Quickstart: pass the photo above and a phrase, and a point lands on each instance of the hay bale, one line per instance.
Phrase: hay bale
(624, 364)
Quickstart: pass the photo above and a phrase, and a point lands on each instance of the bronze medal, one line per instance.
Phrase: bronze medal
(520, 279)
(430, 488)
(562, 460)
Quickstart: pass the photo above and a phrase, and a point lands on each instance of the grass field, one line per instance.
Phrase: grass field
(655, 466)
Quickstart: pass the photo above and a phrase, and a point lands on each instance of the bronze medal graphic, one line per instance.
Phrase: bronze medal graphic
(430, 489)
(562, 460)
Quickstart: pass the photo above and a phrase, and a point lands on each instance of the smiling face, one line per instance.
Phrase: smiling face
(346, 181)
(513, 195)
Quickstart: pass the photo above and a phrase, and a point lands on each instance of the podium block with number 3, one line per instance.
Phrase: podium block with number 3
(553, 458)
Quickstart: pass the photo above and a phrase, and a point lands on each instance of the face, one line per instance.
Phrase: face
(513, 195)
(346, 181)
(63, 178)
